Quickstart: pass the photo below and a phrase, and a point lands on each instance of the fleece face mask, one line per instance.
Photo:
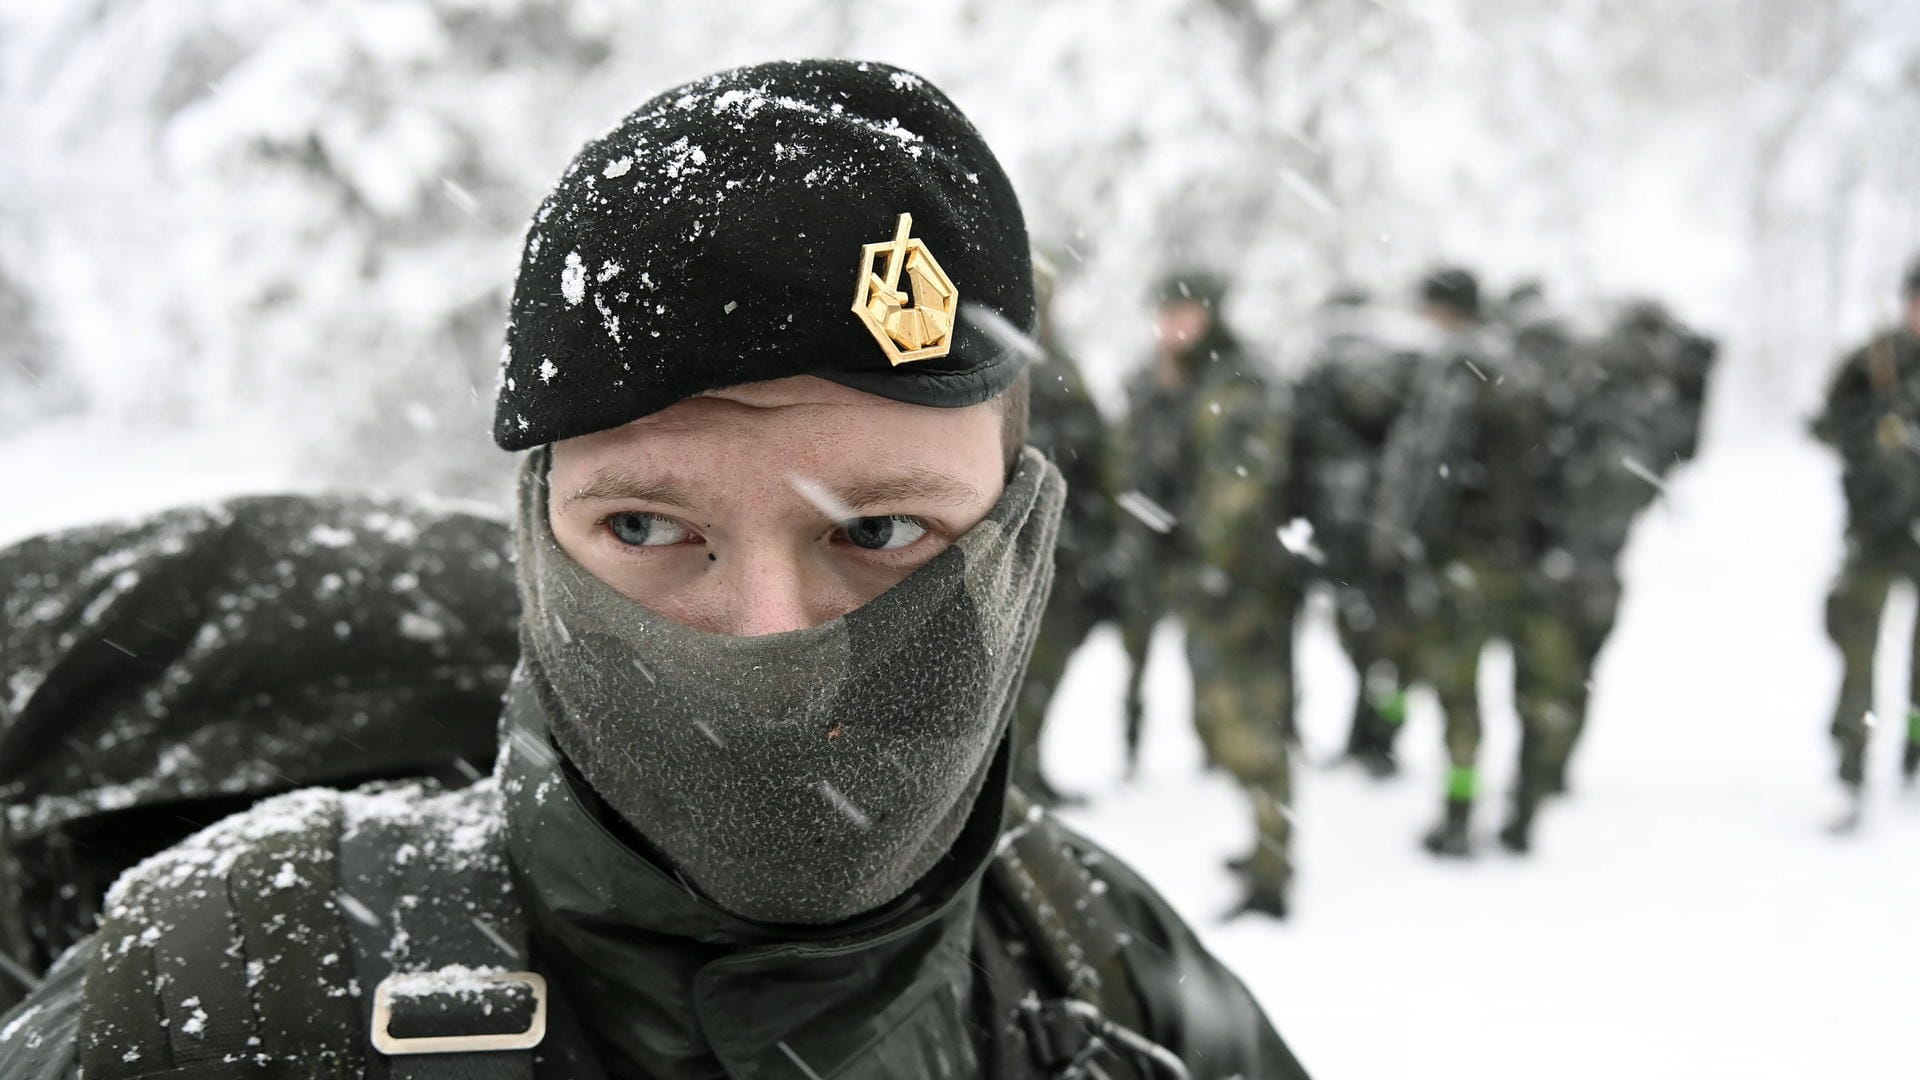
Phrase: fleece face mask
(808, 776)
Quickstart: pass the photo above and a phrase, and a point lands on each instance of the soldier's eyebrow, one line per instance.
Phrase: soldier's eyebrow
(610, 482)
(914, 484)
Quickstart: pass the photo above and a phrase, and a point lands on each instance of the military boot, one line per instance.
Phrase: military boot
(1449, 837)
(1517, 834)
(1266, 870)
(1264, 880)
(1851, 734)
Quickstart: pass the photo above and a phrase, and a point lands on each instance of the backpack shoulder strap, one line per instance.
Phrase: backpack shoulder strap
(1059, 905)
(440, 939)
(224, 956)
(320, 935)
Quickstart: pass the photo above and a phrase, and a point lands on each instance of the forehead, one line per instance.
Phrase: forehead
(782, 424)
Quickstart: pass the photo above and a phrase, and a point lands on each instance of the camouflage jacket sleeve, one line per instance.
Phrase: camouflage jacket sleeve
(1240, 473)
(1413, 493)
(39, 1039)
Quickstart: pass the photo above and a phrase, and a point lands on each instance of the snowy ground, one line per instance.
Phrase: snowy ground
(1684, 916)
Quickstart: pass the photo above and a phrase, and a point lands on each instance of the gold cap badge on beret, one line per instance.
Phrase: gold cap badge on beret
(913, 328)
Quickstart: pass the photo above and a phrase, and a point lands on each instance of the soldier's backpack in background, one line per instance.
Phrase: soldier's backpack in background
(158, 675)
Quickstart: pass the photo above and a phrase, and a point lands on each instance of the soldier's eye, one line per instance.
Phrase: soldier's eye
(889, 533)
(636, 529)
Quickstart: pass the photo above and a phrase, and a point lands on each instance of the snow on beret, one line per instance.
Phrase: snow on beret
(817, 217)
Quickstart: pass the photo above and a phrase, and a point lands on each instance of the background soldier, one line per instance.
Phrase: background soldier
(1872, 419)
(1344, 405)
(1067, 427)
(1455, 514)
(1624, 410)
(1231, 581)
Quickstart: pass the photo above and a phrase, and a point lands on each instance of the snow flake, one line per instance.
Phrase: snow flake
(687, 158)
(573, 279)
(547, 370)
(195, 1025)
(327, 536)
(608, 271)
(608, 319)
(617, 167)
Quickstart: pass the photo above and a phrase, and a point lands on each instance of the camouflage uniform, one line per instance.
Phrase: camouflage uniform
(1872, 419)
(1068, 428)
(1148, 466)
(1623, 411)
(1455, 525)
(1241, 608)
(1212, 453)
(1344, 405)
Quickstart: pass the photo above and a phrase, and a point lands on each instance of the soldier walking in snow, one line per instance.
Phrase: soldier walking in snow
(1623, 411)
(1872, 420)
(1454, 518)
(1210, 440)
(1344, 405)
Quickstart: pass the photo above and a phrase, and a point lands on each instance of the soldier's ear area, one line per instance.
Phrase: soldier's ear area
(1015, 405)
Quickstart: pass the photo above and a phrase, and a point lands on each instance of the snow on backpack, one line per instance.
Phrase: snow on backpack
(158, 675)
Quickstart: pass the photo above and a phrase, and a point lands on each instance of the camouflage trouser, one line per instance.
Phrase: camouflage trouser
(1240, 647)
(1378, 637)
(1555, 634)
(1553, 656)
(1066, 624)
(1475, 604)
(1143, 596)
(1853, 622)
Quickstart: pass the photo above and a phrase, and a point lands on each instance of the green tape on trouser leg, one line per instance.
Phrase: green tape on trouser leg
(1462, 782)
(1913, 725)
(1393, 708)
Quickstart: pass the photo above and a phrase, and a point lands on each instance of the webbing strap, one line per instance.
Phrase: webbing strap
(202, 981)
(124, 1032)
(1058, 903)
(283, 894)
(418, 901)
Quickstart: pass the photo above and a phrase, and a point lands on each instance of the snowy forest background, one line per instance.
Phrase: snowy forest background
(254, 244)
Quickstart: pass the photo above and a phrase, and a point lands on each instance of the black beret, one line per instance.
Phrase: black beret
(715, 237)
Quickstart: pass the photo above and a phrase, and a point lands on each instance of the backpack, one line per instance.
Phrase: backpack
(158, 675)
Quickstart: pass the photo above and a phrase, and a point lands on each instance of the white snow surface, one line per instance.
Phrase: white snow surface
(1685, 913)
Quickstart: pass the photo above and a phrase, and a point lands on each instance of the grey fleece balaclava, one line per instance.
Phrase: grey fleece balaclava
(808, 776)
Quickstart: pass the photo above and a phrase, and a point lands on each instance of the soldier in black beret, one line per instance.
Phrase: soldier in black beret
(781, 556)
